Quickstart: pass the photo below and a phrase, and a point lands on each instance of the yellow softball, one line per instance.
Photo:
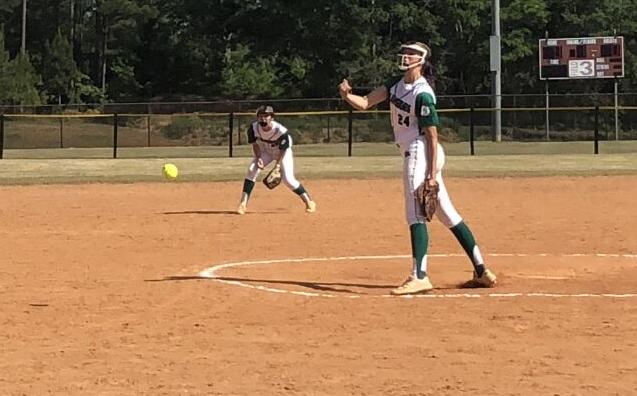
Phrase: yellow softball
(170, 171)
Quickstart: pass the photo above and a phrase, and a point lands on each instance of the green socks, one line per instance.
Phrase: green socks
(419, 245)
(468, 242)
(300, 191)
(248, 185)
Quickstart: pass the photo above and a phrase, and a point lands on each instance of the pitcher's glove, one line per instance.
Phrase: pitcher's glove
(428, 199)
(273, 178)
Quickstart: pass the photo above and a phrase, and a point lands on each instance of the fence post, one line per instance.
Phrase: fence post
(471, 132)
(349, 132)
(1, 136)
(239, 142)
(148, 124)
(61, 132)
(148, 129)
(546, 111)
(596, 137)
(616, 111)
(230, 128)
(115, 135)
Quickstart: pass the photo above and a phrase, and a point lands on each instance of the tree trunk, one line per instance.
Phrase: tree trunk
(72, 22)
(104, 48)
(101, 35)
(77, 26)
(23, 44)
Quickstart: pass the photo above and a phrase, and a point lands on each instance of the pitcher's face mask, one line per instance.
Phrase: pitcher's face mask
(412, 55)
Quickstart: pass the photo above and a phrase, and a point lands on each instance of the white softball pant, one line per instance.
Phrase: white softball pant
(287, 168)
(414, 170)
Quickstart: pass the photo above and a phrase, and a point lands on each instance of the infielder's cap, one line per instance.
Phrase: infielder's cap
(263, 109)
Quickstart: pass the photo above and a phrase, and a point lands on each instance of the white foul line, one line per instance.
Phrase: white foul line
(210, 273)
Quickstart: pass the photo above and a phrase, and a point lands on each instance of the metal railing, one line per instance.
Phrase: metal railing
(209, 129)
(532, 100)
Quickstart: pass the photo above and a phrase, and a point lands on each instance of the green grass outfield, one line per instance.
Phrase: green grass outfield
(37, 171)
(328, 150)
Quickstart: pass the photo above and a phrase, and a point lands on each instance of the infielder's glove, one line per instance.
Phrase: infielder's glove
(273, 178)
(427, 197)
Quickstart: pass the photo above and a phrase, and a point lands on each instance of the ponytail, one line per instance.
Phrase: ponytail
(428, 72)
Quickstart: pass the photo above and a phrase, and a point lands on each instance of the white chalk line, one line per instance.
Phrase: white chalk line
(210, 273)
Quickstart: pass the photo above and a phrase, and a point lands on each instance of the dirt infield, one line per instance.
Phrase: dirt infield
(100, 292)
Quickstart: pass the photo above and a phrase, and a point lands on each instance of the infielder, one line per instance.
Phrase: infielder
(414, 120)
(271, 142)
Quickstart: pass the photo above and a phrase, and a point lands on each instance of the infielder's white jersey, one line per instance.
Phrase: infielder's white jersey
(272, 141)
(412, 107)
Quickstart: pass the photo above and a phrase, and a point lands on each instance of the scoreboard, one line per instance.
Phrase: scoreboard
(585, 57)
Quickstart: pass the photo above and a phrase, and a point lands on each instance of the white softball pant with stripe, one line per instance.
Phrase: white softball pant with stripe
(414, 170)
(287, 168)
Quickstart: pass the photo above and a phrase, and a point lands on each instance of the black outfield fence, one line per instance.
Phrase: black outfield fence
(69, 134)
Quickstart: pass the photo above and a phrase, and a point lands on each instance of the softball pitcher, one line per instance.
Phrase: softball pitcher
(414, 120)
(271, 142)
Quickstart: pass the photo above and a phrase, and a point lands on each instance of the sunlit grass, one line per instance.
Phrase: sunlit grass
(28, 171)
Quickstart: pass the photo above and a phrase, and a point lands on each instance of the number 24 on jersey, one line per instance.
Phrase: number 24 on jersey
(403, 120)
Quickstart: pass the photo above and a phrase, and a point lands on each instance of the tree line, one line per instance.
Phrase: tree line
(86, 51)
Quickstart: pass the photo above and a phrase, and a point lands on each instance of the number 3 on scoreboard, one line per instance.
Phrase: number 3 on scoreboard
(581, 68)
(586, 68)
